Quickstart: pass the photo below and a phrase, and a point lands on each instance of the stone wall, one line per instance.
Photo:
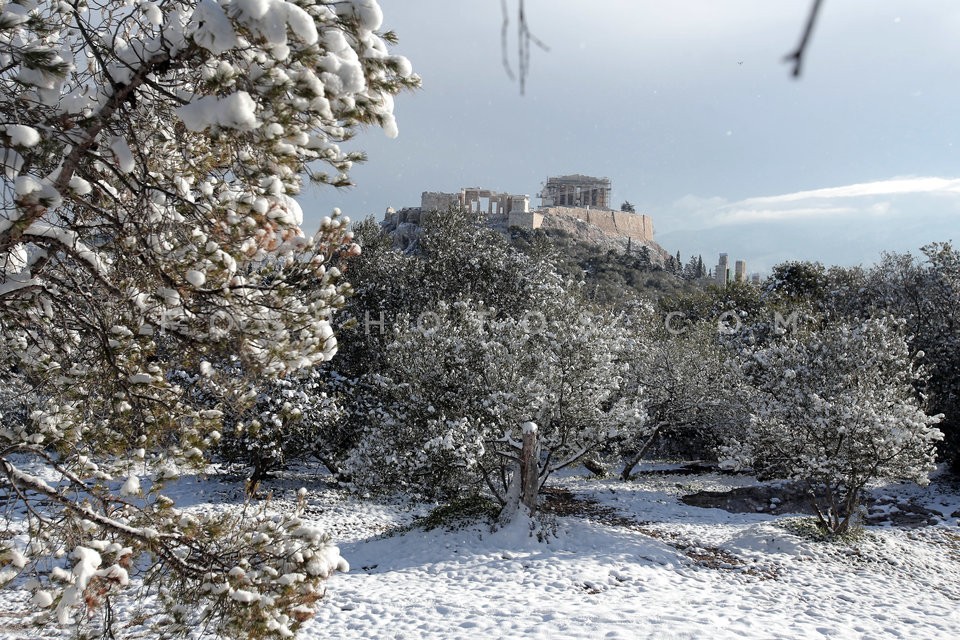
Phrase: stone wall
(633, 225)
(437, 201)
(525, 219)
(613, 223)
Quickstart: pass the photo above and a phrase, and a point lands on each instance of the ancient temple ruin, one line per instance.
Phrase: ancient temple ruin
(567, 200)
(476, 200)
(576, 191)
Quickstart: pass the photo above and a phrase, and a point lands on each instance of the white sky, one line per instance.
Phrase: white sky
(688, 108)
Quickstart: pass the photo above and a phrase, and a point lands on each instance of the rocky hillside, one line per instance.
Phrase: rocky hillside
(406, 229)
(582, 231)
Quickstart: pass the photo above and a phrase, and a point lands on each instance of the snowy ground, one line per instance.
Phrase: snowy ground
(628, 560)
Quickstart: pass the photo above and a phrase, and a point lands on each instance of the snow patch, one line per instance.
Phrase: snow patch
(212, 29)
(80, 186)
(246, 597)
(22, 136)
(367, 12)
(196, 278)
(121, 151)
(235, 111)
(131, 487)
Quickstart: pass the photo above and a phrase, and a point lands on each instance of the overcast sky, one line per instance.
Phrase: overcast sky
(688, 108)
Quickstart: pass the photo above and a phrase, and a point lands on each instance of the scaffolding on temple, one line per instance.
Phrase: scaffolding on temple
(576, 191)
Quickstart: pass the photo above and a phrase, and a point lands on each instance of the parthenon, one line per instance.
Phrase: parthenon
(576, 191)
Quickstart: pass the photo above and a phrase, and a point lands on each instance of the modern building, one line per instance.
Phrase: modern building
(722, 272)
(740, 272)
(723, 276)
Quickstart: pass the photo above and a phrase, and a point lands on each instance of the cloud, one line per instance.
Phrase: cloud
(893, 186)
(866, 200)
(743, 215)
(849, 224)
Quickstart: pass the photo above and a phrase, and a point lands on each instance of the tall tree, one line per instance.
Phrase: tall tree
(150, 155)
(644, 258)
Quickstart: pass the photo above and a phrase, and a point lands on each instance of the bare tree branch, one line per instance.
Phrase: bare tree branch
(503, 40)
(796, 57)
(524, 39)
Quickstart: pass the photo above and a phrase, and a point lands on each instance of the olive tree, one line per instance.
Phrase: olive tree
(463, 386)
(835, 409)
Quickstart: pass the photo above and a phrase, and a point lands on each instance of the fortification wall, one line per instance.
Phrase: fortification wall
(525, 219)
(613, 223)
(437, 201)
(633, 225)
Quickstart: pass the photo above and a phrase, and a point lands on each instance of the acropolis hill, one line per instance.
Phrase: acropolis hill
(575, 204)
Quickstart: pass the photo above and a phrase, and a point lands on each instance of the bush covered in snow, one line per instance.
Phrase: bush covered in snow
(477, 339)
(923, 290)
(269, 424)
(836, 409)
(693, 393)
(455, 393)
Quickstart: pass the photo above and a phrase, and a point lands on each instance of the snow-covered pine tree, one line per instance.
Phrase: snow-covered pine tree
(150, 154)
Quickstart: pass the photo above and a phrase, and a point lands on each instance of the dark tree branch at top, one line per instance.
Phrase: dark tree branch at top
(796, 57)
(524, 39)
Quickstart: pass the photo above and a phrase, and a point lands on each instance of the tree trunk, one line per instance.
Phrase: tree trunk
(511, 501)
(525, 481)
(638, 456)
(529, 469)
(594, 466)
